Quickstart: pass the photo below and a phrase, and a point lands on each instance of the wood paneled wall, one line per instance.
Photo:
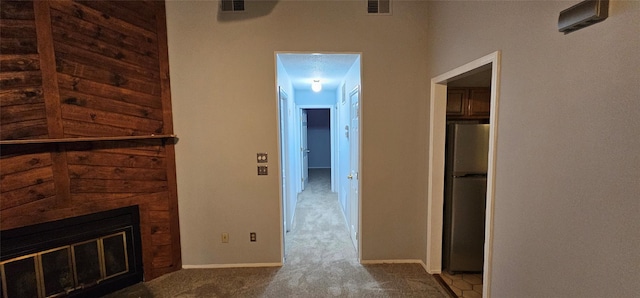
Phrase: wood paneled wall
(73, 69)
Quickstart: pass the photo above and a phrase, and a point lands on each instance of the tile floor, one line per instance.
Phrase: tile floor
(464, 285)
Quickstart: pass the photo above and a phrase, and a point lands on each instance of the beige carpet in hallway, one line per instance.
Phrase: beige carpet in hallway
(321, 262)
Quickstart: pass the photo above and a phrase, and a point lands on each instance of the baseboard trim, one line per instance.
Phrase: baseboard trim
(397, 261)
(432, 272)
(240, 265)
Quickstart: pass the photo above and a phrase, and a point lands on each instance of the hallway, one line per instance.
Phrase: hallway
(321, 254)
(319, 234)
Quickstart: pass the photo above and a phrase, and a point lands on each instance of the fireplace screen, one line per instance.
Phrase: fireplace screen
(61, 270)
(57, 271)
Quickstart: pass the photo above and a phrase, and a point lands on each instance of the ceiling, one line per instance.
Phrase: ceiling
(479, 77)
(330, 69)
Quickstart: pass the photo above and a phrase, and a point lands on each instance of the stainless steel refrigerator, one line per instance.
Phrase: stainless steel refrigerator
(465, 192)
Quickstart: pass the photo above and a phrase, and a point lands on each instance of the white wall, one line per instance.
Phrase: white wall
(568, 170)
(224, 101)
(310, 98)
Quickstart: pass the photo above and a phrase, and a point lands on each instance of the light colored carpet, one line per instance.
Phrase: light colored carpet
(321, 262)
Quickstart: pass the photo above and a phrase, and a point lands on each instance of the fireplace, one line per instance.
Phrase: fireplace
(85, 256)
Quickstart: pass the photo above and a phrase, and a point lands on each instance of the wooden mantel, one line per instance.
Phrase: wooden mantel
(86, 139)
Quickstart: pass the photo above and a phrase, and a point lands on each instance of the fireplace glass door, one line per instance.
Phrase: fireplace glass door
(59, 271)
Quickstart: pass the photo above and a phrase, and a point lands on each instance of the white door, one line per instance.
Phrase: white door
(354, 146)
(304, 149)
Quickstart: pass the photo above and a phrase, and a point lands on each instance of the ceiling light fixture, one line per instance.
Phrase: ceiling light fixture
(316, 86)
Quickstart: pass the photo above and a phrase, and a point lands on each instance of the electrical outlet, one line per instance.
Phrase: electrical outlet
(225, 237)
(252, 236)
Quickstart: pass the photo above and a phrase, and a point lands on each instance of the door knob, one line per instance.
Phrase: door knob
(349, 177)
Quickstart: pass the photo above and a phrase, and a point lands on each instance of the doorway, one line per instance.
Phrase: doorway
(319, 138)
(300, 133)
(438, 107)
(317, 146)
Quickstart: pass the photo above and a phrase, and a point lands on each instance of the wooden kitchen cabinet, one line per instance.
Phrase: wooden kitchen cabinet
(468, 103)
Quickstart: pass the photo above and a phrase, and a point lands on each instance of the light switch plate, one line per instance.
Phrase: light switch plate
(263, 170)
(262, 157)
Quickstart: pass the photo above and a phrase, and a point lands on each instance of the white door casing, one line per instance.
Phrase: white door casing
(284, 163)
(304, 149)
(354, 174)
(437, 129)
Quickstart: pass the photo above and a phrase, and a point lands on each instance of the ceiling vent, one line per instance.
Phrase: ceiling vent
(232, 5)
(379, 7)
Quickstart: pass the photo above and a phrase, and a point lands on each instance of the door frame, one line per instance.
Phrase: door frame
(437, 135)
(332, 123)
(304, 171)
(283, 126)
